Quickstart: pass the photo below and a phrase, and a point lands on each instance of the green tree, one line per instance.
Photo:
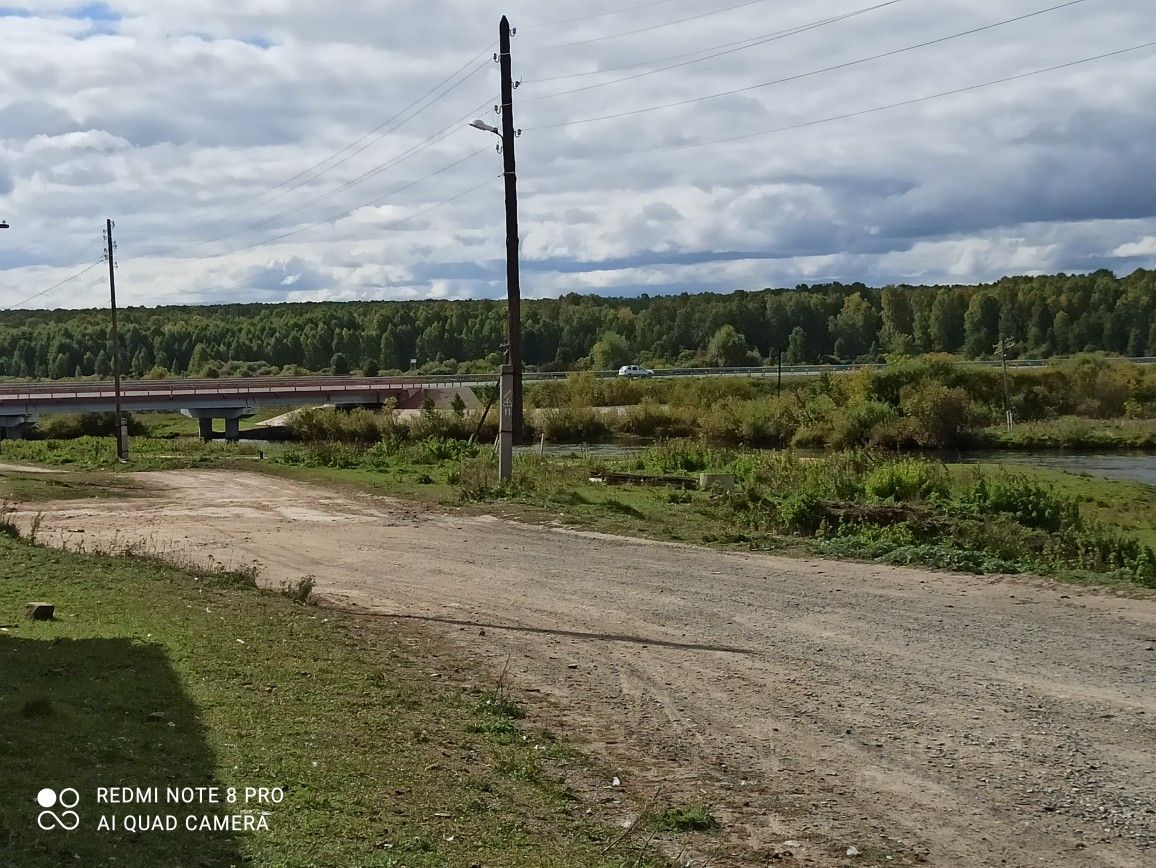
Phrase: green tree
(946, 326)
(610, 353)
(727, 349)
(340, 364)
(855, 328)
(797, 353)
(981, 325)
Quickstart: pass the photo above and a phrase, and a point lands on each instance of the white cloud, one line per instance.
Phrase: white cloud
(1145, 247)
(177, 119)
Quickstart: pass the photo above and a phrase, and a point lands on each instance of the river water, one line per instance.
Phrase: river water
(1128, 466)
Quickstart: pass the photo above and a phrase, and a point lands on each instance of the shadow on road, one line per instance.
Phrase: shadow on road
(552, 631)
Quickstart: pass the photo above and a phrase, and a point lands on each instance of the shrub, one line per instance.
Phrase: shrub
(1032, 504)
(649, 419)
(854, 425)
(941, 417)
(906, 480)
(573, 425)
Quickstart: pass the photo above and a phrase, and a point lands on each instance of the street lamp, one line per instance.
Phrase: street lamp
(479, 124)
(511, 379)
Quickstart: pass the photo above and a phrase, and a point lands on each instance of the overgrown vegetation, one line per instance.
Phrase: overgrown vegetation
(931, 402)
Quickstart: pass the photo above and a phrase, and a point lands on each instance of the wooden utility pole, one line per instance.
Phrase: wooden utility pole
(1004, 345)
(513, 278)
(121, 446)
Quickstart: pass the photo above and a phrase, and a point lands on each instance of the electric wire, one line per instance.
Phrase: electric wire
(412, 151)
(301, 178)
(737, 45)
(596, 15)
(890, 106)
(811, 73)
(55, 286)
(642, 29)
(371, 204)
(773, 37)
(459, 195)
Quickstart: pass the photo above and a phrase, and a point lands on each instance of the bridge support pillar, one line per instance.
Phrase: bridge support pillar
(12, 427)
(231, 415)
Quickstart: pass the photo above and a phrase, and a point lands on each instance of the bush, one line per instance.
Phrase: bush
(70, 426)
(855, 425)
(906, 481)
(573, 425)
(1031, 503)
(941, 417)
(649, 419)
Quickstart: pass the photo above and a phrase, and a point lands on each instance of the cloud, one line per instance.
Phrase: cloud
(296, 150)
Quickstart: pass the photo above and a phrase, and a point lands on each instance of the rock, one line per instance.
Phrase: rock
(41, 611)
(852, 851)
(716, 482)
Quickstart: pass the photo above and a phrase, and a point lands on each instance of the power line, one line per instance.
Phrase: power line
(774, 37)
(55, 286)
(811, 73)
(386, 227)
(737, 46)
(597, 15)
(412, 151)
(894, 105)
(643, 29)
(372, 204)
(301, 177)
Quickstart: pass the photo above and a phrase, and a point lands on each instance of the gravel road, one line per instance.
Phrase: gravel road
(817, 705)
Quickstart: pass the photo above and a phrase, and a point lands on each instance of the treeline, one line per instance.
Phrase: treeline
(1044, 316)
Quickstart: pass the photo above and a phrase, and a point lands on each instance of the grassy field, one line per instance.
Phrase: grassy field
(150, 676)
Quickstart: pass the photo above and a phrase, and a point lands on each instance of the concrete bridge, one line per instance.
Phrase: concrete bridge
(205, 400)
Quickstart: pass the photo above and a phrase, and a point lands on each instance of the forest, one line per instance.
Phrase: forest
(1044, 316)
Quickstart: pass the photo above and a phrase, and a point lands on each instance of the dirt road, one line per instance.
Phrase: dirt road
(904, 713)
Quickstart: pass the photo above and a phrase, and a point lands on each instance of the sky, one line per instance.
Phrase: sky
(290, 150)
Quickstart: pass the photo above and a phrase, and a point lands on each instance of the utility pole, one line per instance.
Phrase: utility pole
(121, 446)
(513, 278)
(1003, 346)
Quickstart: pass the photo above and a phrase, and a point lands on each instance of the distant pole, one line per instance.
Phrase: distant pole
(779, 391)
(121, 447)
(513, 278)
(1003, 348)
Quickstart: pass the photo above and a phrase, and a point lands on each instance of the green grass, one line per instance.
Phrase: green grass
(145, 453)
(687, 818)
(41, 487)
(151, 676)
(1130, 506)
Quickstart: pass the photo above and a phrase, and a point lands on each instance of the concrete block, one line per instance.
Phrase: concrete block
(716, 482)
(41, 611)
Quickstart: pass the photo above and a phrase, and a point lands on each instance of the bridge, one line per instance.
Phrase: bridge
(235, 399)
(205, 400)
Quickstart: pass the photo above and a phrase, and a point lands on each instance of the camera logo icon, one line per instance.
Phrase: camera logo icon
(66, 819)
